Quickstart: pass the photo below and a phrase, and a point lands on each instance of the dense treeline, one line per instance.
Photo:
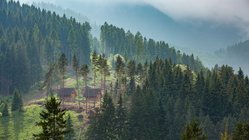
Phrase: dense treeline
(147, 101)
(169, 98)
(236, 55)
(115, 40)
(31, 38)
(241, 48)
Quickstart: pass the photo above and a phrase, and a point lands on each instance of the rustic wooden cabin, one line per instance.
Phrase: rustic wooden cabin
(92, 93)
(67, 94)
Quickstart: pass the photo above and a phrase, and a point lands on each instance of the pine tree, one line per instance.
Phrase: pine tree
(84, 72)
(119, 68)
(193, 131)
(95, 67)
(17, 103)
(70, 134)
(120, 119)
(131, 86)
(136, 115)
(62, 67)
(140, 72)
(240, 74)
(131, 69)
(103, 126)
(48, 82)
(52, 121)
(104, 70)
(76, 69)
(107, 117)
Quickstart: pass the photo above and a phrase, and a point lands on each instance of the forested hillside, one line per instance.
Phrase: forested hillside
(31, 39)
(140, 89)
(236, 55)
(168, 99)
(115, 40)
(241, 48)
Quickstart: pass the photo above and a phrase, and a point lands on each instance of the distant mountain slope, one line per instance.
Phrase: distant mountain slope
(199, 37)
(236, 55)
(115, 40)
(152, 23)
(61, 11)
(69, 13)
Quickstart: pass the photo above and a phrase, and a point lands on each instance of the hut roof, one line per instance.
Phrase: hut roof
(65, 92)
(89, 92)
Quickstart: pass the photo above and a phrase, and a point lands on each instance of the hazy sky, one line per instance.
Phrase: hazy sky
(234, 12)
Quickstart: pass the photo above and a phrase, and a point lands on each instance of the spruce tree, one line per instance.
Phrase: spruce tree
(76, 69)
(70, 134)
(84, 72)
(104, 70)
(103, 124)
(17, 104)
(95, 67)
(119, 68)
(48, 82)
(52, 121)
(62, 67)
(136, 115)
(192, 131)
(120, 119)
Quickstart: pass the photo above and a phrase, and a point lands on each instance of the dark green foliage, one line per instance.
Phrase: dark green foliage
(5, 111)
(136, 47)
(120, 120)
(103, 124)
(192, 131)
(84, 71)
(49, 77)
(236, 54)
(131, 86)
(17, 103)
(95, 67)
(131, 69)
(70, 134)
(75, 63)
(103, 69)
(119, 66)
(52, 121)
(171, 97)
(76, 69)
(241, 131)
(62, 64)
(32, 38)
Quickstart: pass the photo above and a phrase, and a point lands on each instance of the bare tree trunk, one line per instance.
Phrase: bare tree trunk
(63, 82)
(101, 80)
(86, 90)
(77, 80)
(94, 79)
(104, 82)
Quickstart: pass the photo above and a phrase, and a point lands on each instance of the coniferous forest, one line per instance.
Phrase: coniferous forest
(57, 81)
